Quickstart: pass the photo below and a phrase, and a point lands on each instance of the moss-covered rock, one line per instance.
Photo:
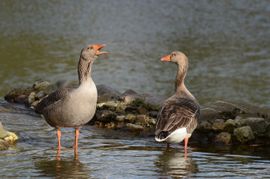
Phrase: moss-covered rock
(223, 138)
(244, 134)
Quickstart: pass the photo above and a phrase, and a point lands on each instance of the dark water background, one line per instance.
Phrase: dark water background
(227, 43)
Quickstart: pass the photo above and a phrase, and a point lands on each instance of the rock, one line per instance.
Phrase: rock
(229, 125)
(223, 138)
(227, 110)
(142, 110)
(218, 125)
(19, 95)
(244, 134)
(141, 118)
(151, 121)
(153, 114)
(131, 118)
(110, 125)
(204, 126)
(31, 98)
(105, 116)
(120, 118)
(11, 138)
(130, 96)
(145, 120)
(106, 93)
(258, 125)
(121, 107)
(40, 95)
(41, 85)
(134, 127)
(111, 105)
(154, 103)
(208, 114)
(6, 138)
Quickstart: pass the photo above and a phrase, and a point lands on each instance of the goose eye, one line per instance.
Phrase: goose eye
(173, 55)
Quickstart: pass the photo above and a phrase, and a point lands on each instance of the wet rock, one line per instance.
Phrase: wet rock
(106, 93)
(41, 85)
(120, 118)
(111, 105)
(223, 138)
(40, 95)
(153, 114)
(154, 103)
(145, 120)
(229, 125)
(6, 138)
(18, 95)
(218, 125)
(27, 95)
(130, 96)
(258, 125)
(31, 97)
(120, 125)
(209, 114)
(227, 110)
(130, 118)
(121, 107)
(110, 125)
(134, 127)
(142, 110)
(140, 106)
(204, 126)
(244, 134)
(105, 116)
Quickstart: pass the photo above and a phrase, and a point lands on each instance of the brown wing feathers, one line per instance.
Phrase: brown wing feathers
(177, 113)
(52, 98)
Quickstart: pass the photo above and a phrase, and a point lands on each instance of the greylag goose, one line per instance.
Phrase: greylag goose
(73, 107)
(177, 118)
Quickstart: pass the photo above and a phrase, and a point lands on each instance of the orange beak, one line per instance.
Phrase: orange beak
(166, 58)
(98, 47)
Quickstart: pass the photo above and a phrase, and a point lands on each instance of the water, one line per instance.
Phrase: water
(227, 43)
(107, 153)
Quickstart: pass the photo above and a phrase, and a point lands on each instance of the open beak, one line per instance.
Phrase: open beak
(166, 58)
(98, 47)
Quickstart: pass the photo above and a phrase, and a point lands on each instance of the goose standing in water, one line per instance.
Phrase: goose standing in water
(68, 107)
(177, 118)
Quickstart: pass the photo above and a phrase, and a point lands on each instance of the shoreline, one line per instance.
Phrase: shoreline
(220, 123)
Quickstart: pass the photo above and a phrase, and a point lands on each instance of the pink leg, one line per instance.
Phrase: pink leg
(59, 144)
(185, 148)
(59, 138)
(77, 133)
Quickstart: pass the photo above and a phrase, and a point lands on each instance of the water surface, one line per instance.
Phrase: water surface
(227, 43)
(107, 153)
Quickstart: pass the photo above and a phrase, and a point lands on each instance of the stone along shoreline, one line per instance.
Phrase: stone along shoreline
(221, 122)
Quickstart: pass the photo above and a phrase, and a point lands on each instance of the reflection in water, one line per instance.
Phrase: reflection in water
(172, 162)
(67, 168)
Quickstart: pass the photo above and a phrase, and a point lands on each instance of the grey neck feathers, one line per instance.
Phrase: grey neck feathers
(84, 69)
(180, 78)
